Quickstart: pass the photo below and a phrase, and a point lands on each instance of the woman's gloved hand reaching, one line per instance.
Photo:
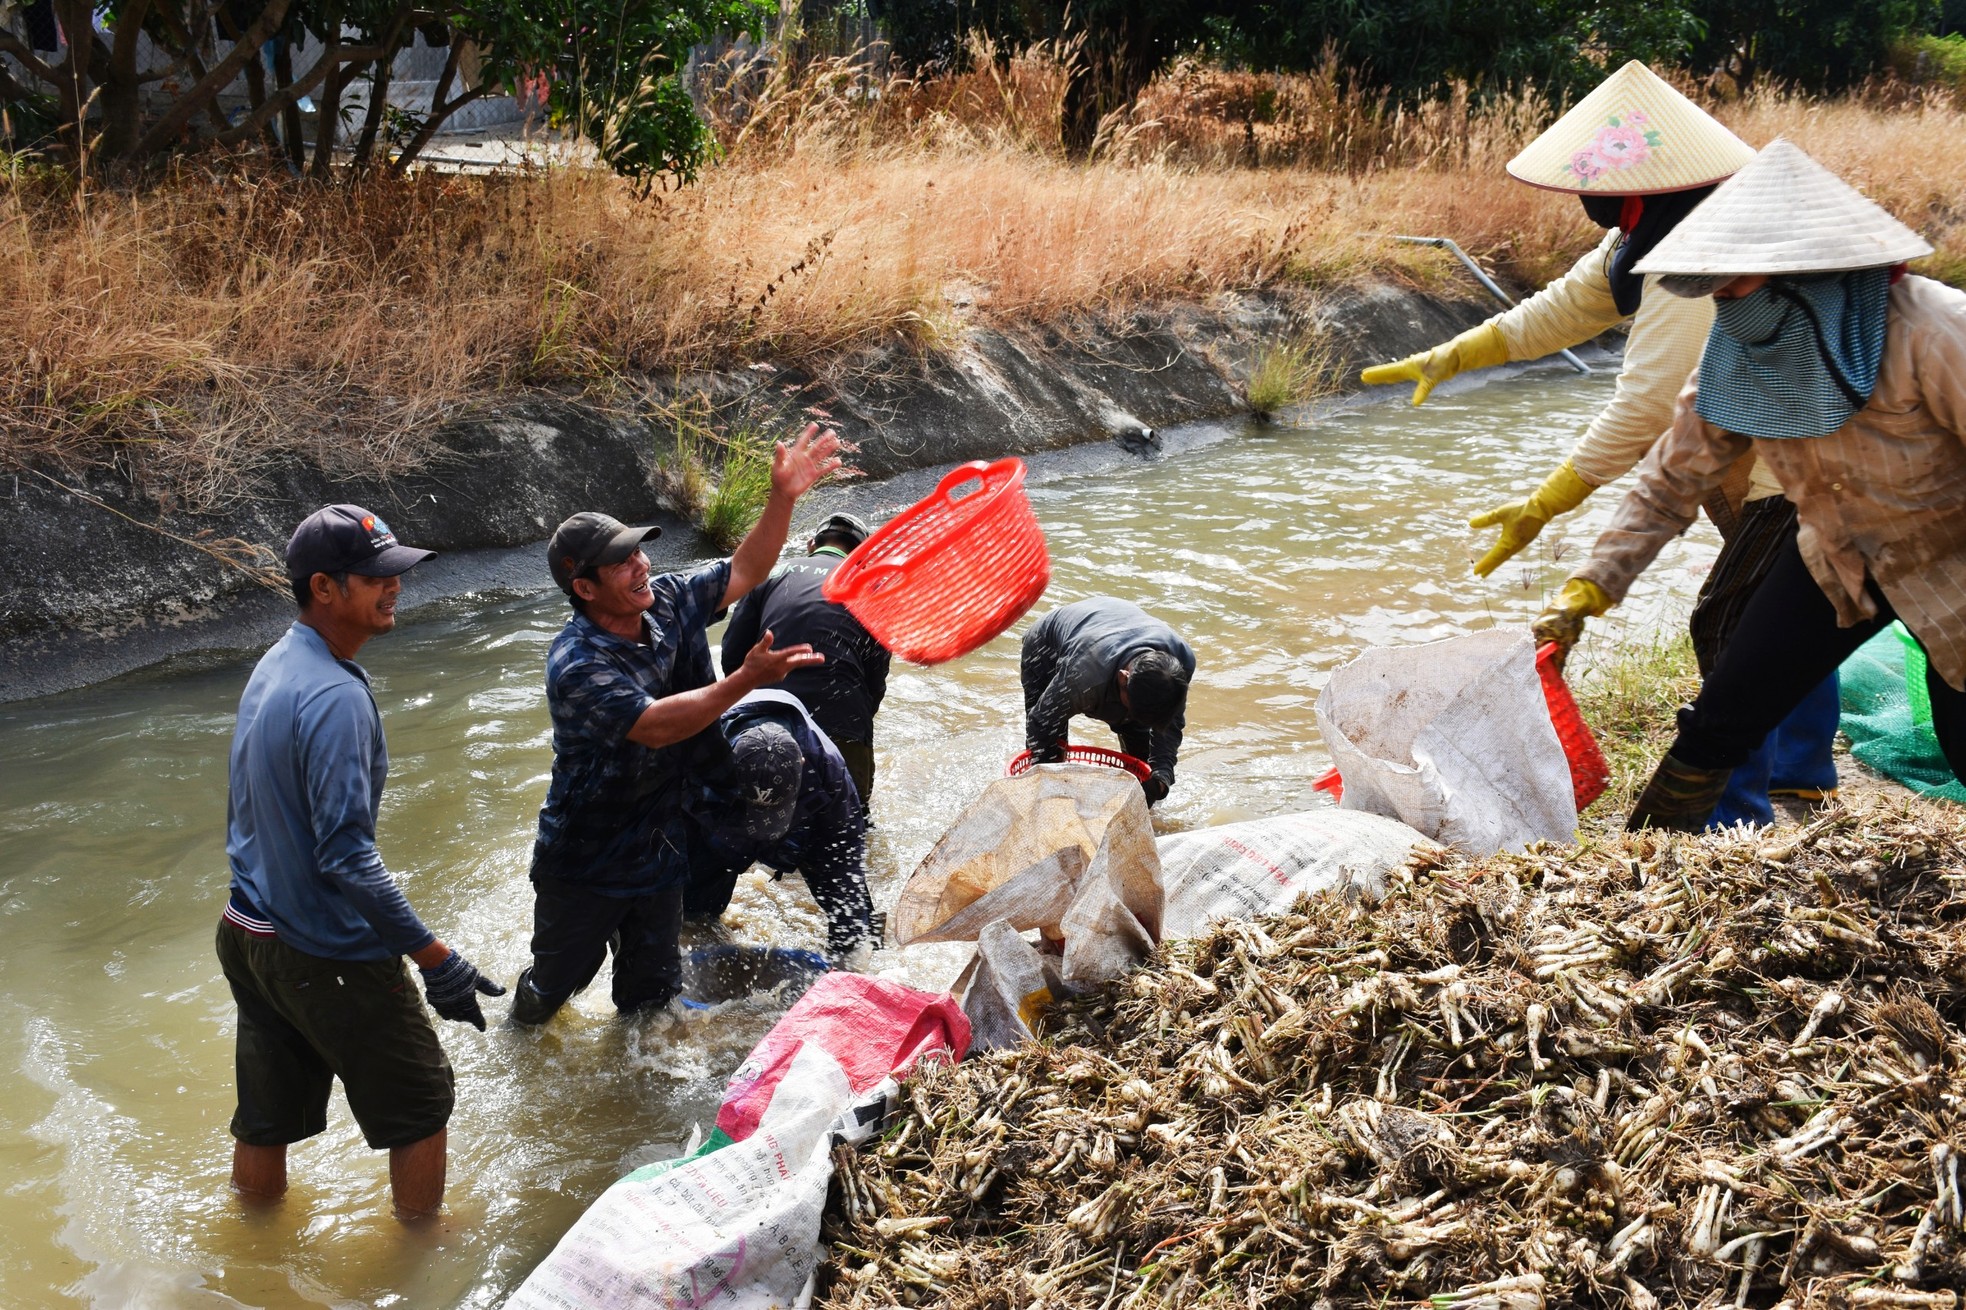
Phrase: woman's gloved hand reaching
(1478, 347)
(1563, 621)
(1520, 520)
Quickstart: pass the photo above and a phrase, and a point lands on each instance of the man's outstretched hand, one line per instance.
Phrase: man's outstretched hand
(764, 666)
(799, 465)
(453, 988)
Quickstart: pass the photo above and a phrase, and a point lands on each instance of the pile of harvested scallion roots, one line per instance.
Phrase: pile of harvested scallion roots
(1645, 1071)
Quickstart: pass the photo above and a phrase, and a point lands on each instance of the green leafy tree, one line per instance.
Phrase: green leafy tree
(610, 72)
(614, 69)
(1819, 45)
(1414, 47)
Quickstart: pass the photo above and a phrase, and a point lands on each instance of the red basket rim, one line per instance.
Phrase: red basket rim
(1020, 763)
(839, 581)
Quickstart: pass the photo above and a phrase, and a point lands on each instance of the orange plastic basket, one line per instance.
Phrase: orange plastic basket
(951, 571)
(1020, 763)
(1589, 774)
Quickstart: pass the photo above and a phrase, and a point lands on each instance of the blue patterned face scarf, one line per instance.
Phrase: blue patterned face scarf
(1797, 357)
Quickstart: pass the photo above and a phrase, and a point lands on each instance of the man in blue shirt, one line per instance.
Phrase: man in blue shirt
(789, 803)
(632, 689)
(314, 931)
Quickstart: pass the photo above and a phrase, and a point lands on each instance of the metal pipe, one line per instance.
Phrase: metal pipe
(1447, 244)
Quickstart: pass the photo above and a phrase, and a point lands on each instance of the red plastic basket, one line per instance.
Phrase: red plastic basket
(951, 571)
(1589, 774)
(1020, 763)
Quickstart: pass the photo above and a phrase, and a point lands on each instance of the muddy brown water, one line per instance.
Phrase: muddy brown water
(1280, 552)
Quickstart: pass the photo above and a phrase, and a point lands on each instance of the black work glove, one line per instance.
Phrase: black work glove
(1155, 785)
(453, 988)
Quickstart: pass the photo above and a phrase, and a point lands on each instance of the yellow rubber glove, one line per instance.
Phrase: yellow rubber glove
(1478, 347)
(1563, 621)
(1520, 520)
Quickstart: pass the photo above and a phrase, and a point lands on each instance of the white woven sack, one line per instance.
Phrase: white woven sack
(1242, 870)
(1453, 738)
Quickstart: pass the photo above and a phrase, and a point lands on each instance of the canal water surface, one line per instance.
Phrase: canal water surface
(1280, 552)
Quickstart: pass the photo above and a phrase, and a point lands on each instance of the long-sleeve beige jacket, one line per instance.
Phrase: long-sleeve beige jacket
(1884, 495)
(1667, 335)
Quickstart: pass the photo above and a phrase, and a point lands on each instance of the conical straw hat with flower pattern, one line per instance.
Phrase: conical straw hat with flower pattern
(1633, 136)
(1784, 213)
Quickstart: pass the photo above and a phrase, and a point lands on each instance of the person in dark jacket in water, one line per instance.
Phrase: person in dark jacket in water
(845, 692)
(786, 802)
(1109, 659)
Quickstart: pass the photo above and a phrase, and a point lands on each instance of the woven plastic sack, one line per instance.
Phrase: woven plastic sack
(1452, 738)
(737, 1223)
(1067, 849)
(1007, 986)
(1242, 870)
(1878, 720)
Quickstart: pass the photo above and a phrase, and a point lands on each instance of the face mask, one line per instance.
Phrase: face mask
(1753, 318)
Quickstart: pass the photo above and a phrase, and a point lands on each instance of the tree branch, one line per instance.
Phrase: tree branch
(385, 66)
(327, 111)
(440, 109)
(13, 45)
(292, 92)
(129, 25)
(188, 57)
(163, 132)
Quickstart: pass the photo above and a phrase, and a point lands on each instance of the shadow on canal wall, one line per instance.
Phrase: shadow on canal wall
(90, 594)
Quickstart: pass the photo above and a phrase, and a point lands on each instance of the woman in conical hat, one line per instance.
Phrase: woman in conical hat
(1641, 157)
(1848, 379)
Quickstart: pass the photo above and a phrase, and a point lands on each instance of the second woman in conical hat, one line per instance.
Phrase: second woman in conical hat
(1848, 378)
(1641, 157)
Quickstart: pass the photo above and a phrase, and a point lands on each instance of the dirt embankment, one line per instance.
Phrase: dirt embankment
(99, 579)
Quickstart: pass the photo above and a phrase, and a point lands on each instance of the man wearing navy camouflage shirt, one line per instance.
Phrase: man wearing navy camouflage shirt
(634, 699)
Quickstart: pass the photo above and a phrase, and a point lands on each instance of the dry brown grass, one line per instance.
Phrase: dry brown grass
(204, 326)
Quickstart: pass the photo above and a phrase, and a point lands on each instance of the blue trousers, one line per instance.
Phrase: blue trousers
(1794, 757)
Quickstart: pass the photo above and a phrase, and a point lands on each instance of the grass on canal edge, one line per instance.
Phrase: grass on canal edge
(1289, 372)
(1630, 699)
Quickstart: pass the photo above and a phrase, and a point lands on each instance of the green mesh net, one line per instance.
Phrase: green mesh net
(1889, 729)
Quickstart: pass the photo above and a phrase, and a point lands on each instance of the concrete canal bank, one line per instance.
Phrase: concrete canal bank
(106, 575)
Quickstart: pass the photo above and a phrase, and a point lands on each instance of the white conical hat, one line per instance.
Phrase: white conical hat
(1633, 136)
(1784, 213)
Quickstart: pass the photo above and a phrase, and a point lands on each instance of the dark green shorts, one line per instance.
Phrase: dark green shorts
(305, 1021)
(859, 757)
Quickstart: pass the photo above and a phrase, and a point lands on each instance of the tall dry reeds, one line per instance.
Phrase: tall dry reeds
(206, 324)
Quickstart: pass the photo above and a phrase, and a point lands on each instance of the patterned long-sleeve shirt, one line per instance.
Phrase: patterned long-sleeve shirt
(613, 815)
(1667, 336)
(1883, 496)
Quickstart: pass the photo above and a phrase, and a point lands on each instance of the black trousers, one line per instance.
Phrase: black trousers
(1766, 526)
(1786, 642)
(859, 757)
(573, 929)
